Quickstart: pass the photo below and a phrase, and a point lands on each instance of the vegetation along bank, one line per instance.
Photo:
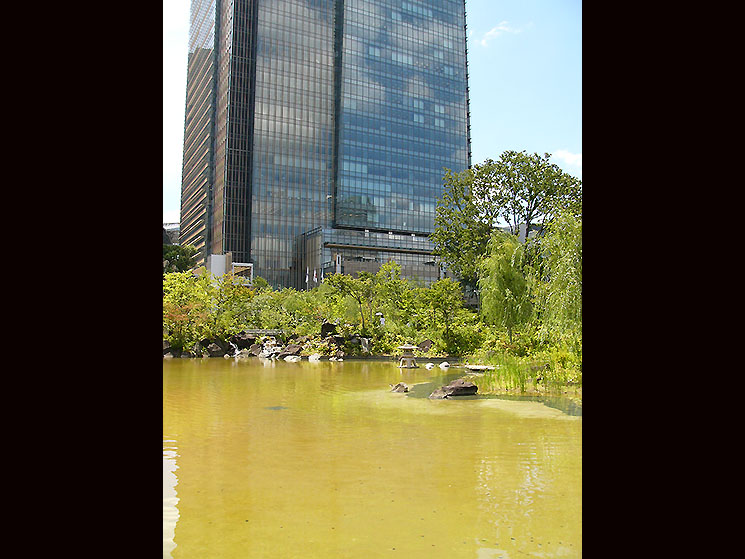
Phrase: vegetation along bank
(527, 276)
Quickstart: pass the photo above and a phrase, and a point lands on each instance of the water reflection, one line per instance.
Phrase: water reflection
(170, 497)
(322, 460)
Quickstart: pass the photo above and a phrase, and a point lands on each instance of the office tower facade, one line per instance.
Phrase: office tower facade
(317, 131)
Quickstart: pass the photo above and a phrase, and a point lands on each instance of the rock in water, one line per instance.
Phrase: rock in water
(400, 387)
(458, 387)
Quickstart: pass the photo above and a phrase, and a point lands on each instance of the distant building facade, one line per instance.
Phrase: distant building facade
(317, 131)
(171, 233)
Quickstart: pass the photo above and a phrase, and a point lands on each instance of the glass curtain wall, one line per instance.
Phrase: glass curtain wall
(197, 176)
(293, 130)
(319, 113)
(404, 111)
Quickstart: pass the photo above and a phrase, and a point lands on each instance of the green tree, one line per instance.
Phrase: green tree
(505, 293)
(444, 299)
(266, 310)
(177, 258)
(229, 297)
(393, 295)
(360, 289)
(516, 189)
(561, 294)
(260, 283)
(522, 188)
(202, 306)
(186, 309)
(461, 229)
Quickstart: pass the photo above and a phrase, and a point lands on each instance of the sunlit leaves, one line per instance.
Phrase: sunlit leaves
(505, 294)
(561, 300)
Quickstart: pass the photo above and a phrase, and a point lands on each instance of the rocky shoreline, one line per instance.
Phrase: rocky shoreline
(248, 345)
(329, 345)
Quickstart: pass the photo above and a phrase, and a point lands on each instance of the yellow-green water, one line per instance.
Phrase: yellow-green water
(319, 460)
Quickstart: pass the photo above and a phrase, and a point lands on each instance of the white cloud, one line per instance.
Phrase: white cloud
(502, 27)
(171, 216)
(569, 162)
(572, 159)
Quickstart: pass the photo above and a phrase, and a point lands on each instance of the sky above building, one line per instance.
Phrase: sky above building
(525, 80)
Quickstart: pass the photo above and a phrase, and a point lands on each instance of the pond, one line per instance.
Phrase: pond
(320, 460)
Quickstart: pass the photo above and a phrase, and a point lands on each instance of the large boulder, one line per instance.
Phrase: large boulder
(255, 349)
(290, 349)
(458, 387)
(243, 340)
(327, 329)
(221, 346)
(214, 350)
(170, 352)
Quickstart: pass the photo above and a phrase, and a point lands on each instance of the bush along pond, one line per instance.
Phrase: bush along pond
(384, 316)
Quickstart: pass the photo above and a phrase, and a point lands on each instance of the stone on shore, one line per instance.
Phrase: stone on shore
(243, 340)
(327, 329)
(214, 350)
(290, 350)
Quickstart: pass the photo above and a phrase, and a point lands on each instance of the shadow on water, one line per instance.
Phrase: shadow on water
(561, 403)
(566, 405)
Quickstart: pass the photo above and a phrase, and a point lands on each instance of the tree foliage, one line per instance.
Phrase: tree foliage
(516, 189)
(461, 230)
(359, 289)
(560, 298)
(177, 258)
(520, 188)
(202, 306)
(505, 293)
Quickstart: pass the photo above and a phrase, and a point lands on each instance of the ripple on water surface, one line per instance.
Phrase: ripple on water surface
(322, 460)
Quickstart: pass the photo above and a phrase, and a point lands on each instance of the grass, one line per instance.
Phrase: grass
(534, 375)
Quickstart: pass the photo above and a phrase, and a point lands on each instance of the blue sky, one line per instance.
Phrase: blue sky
(525, 79)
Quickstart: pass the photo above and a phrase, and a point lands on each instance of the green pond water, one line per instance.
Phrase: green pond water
(320, 460)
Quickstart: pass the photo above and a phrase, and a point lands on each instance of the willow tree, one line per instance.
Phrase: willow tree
(394, 295)
(505, 289)
(561, 294)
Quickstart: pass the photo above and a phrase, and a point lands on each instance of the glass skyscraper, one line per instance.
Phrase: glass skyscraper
(317, 132)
